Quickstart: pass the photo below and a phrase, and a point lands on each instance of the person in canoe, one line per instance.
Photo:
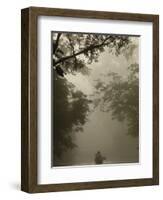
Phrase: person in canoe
(99, 159)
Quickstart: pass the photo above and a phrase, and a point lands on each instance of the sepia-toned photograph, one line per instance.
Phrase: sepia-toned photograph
(95, 99)
(89, 99)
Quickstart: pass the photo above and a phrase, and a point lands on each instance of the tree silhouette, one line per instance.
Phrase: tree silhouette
(70, 109)
(73, 52)
(121, 97)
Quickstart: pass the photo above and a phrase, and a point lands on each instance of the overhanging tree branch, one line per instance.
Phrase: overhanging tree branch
(91, 47)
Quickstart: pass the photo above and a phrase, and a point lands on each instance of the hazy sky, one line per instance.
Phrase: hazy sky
(101, 133)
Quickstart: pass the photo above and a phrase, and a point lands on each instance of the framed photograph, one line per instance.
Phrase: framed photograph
(90, 99)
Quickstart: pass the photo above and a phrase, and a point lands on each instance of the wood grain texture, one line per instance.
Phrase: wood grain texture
(91, 14)
(29, 101)
(24, 100)
(156, 100)
(29, 171)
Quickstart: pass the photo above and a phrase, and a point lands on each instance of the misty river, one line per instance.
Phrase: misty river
(107, 136)
(100, 132)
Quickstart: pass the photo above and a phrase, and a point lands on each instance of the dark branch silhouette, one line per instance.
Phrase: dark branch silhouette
(55, 45)
(81, 52)
(74, 51)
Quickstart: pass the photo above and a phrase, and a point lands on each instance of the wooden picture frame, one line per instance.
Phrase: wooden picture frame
(29, 112)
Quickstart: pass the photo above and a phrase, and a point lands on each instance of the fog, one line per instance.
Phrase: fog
(101, 132)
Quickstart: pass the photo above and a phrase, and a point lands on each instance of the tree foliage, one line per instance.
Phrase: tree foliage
(70, 109)
(121, 98)
(73, 52)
